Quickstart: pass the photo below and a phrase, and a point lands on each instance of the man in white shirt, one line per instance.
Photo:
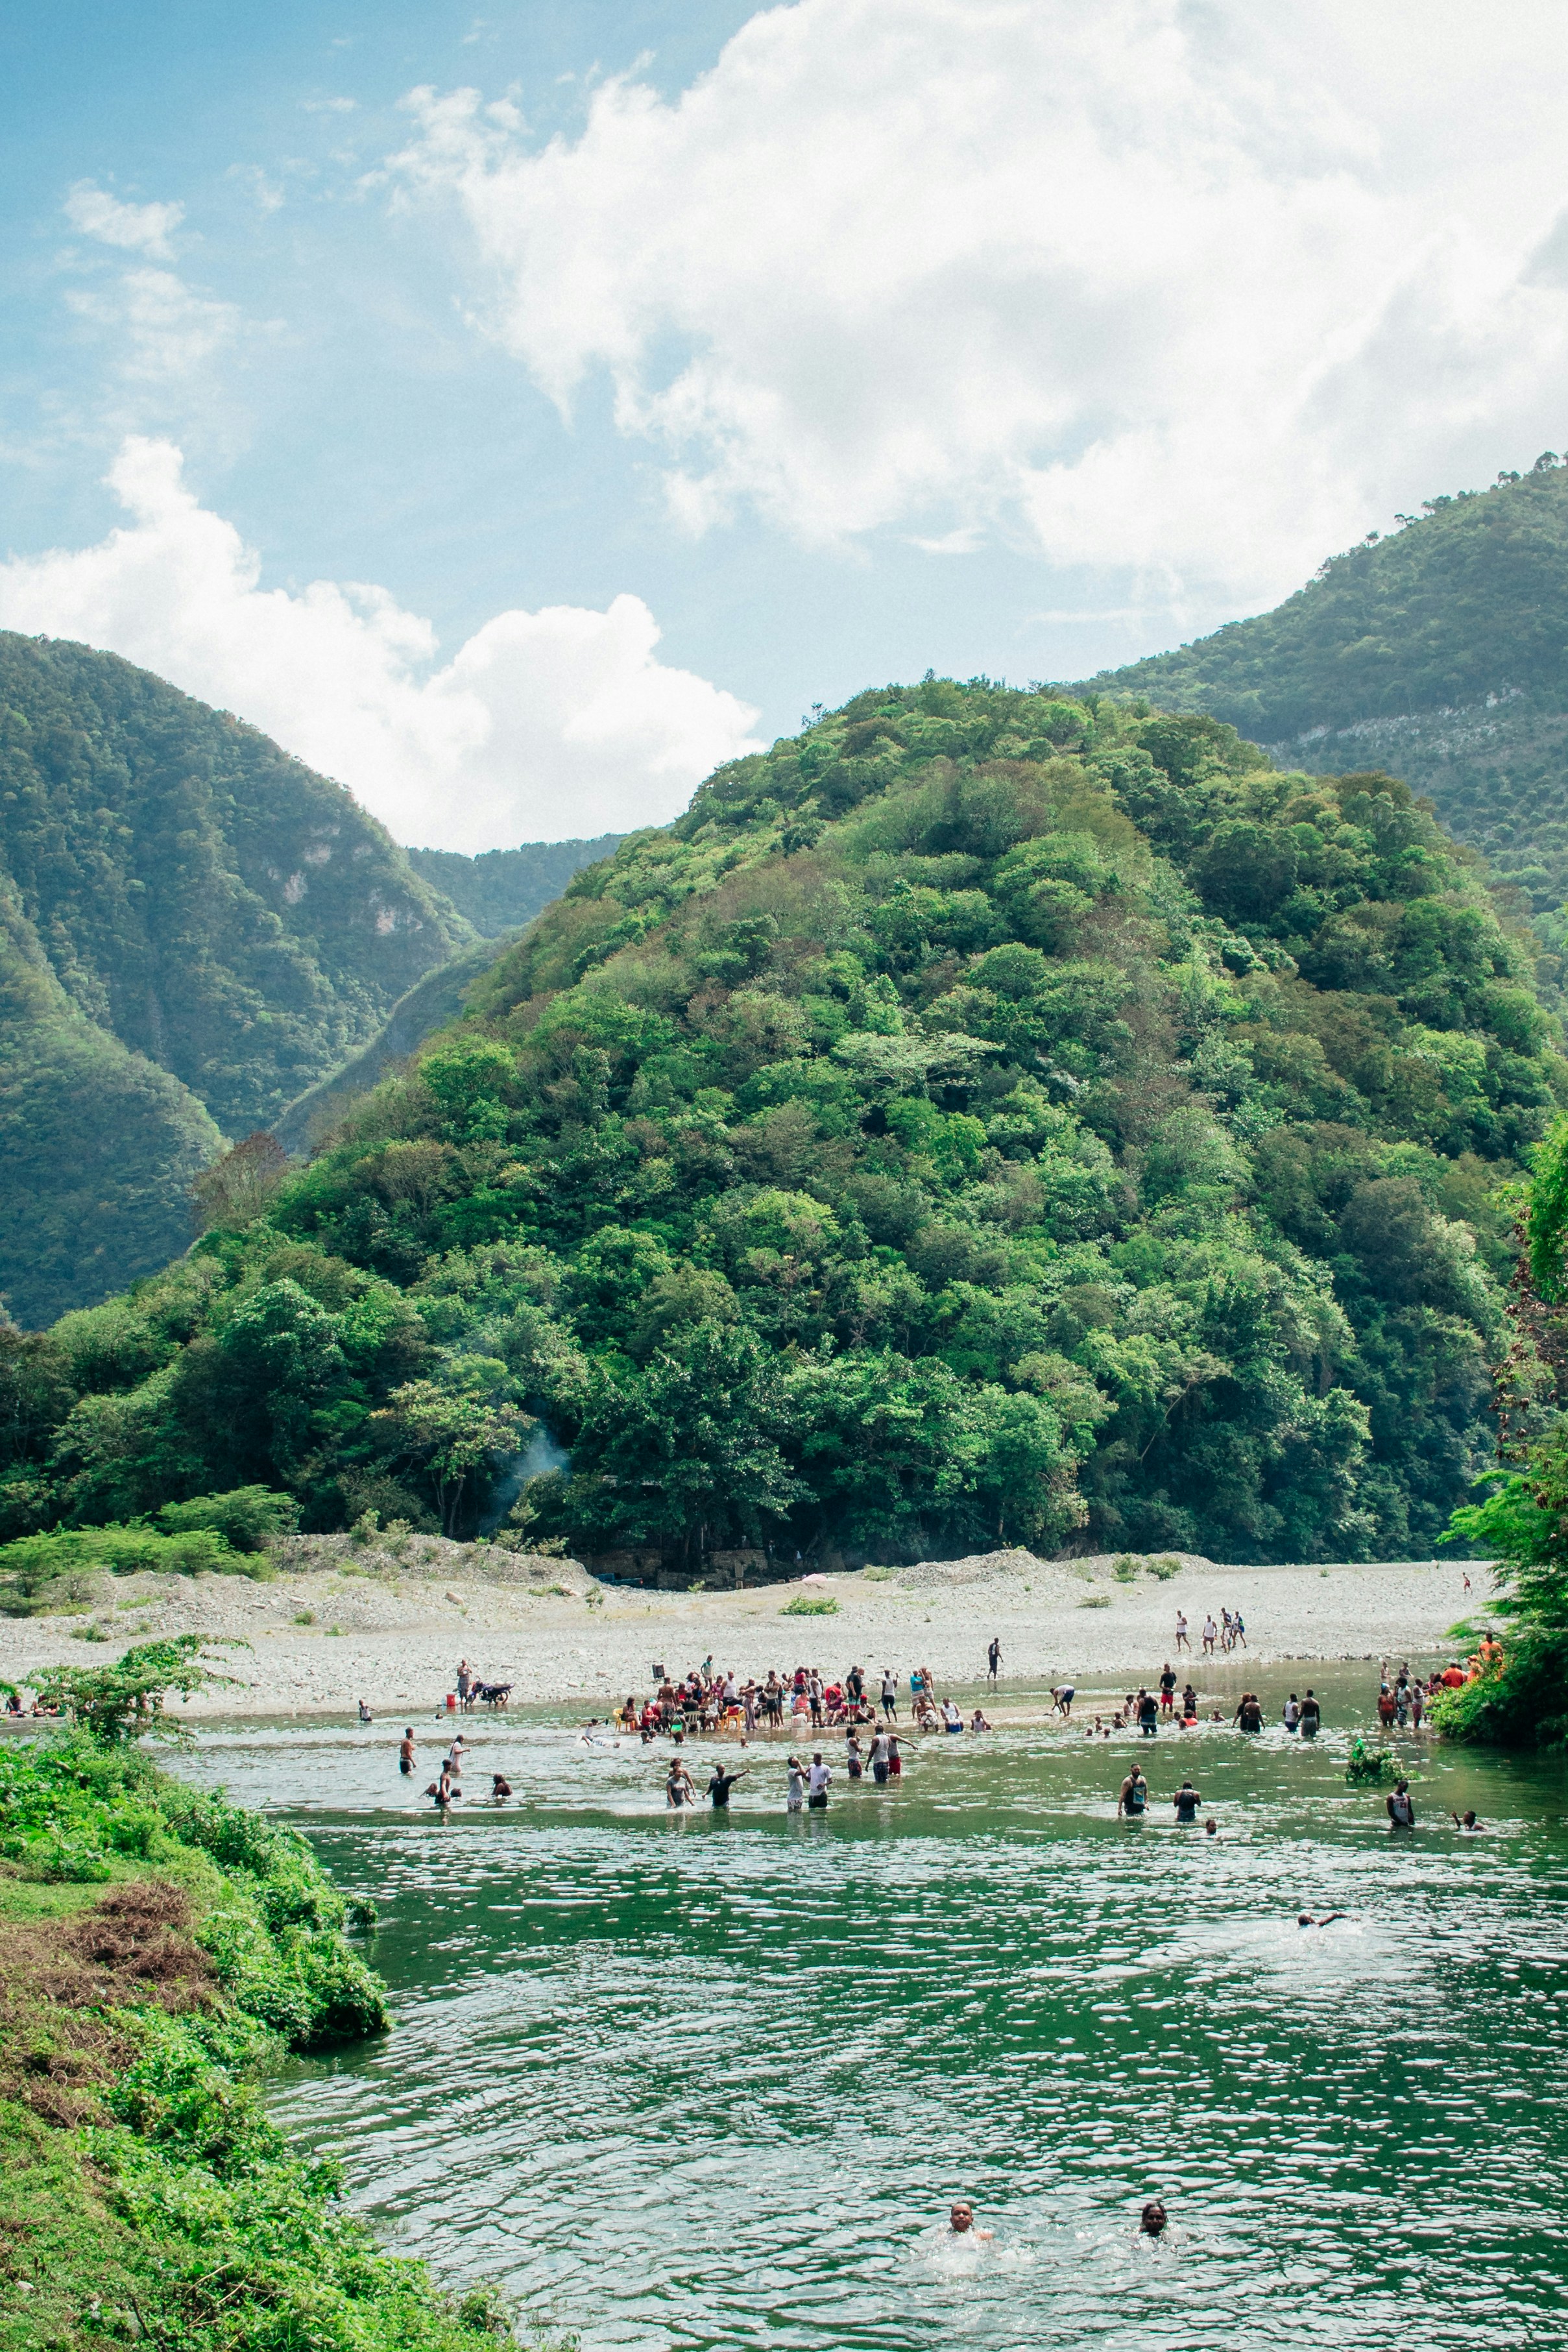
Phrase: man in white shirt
(821, 1778)
(1210, 1634)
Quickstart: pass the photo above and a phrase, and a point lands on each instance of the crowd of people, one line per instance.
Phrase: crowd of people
(715, 1704)
(712, 1702)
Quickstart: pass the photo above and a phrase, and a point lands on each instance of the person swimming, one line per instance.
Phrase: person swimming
(1305, 1918)
(1154, 2219)
(961, 2221)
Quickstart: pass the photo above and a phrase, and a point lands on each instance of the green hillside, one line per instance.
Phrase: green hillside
(219, 928)
(98, 1146)
(1440, 652)
(987, 1117)
(501, 889)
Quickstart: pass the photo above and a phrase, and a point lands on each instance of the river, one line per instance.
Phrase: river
(696, 2082)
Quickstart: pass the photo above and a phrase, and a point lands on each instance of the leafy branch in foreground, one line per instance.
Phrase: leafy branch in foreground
(119, 1704)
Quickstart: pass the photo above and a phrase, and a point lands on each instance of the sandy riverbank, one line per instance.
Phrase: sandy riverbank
(335, 1624)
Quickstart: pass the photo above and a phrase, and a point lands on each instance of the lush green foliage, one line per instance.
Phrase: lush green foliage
(1369, 1766)
(178, 2214)
(1440, 653)
(76, 1807)
(984, 1115)
(502, 890)
(38, 1571)
(1518, 1694)
(1469, 598)
(117, 1705)
(192, 928)
(98, 1145)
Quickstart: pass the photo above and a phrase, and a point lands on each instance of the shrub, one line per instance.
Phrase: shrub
(31, 1565)
(124, 1703)
(802, 1606)
(1164, 1568)
(1095, 1600)
(61, 1858)
(1519, 1701)
(1125, 1569)
(247, 1517)
(1368, 1768)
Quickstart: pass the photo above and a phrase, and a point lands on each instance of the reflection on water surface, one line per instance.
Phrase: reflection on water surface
(693, 2083)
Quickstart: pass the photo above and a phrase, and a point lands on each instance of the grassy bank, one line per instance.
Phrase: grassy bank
(159, 1950)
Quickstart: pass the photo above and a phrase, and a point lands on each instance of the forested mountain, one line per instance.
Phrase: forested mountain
(1440, 653)
(987, 1117)
(501, 889)
(194, 929)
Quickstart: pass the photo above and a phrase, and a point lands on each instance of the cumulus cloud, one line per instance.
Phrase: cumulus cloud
(1199, 291)
(542, 726)
(134, 228)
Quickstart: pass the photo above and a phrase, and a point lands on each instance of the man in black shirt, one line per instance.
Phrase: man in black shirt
(719, 1787)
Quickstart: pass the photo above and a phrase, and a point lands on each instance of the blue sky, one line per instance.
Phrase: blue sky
(835, 342)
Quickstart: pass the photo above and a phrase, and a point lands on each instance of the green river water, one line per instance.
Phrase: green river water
(697, 2082)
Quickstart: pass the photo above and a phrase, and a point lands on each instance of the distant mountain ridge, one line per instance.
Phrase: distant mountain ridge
(1439, 652)
(196, 929)
(501, 889)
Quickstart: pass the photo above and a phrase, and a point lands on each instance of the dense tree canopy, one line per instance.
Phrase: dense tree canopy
(1469, 598)
(989, 1116)
(1439, 652)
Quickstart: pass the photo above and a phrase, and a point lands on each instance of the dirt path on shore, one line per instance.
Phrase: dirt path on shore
(336, 1624)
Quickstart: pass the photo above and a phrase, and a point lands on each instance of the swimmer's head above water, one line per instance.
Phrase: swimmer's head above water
(1152, 2223)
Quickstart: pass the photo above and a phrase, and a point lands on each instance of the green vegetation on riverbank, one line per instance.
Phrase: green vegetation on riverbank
(158, 1949)
(1518, 1694)
(984, 1115)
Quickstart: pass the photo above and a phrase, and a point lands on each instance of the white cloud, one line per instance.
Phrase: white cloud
(1197, 289)
(135, 228)
(164, 331)
(543, 725)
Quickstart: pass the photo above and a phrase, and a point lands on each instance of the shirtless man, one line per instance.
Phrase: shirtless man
(961, 2221)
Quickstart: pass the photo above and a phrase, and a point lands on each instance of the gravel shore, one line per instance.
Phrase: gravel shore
(337, 1623)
